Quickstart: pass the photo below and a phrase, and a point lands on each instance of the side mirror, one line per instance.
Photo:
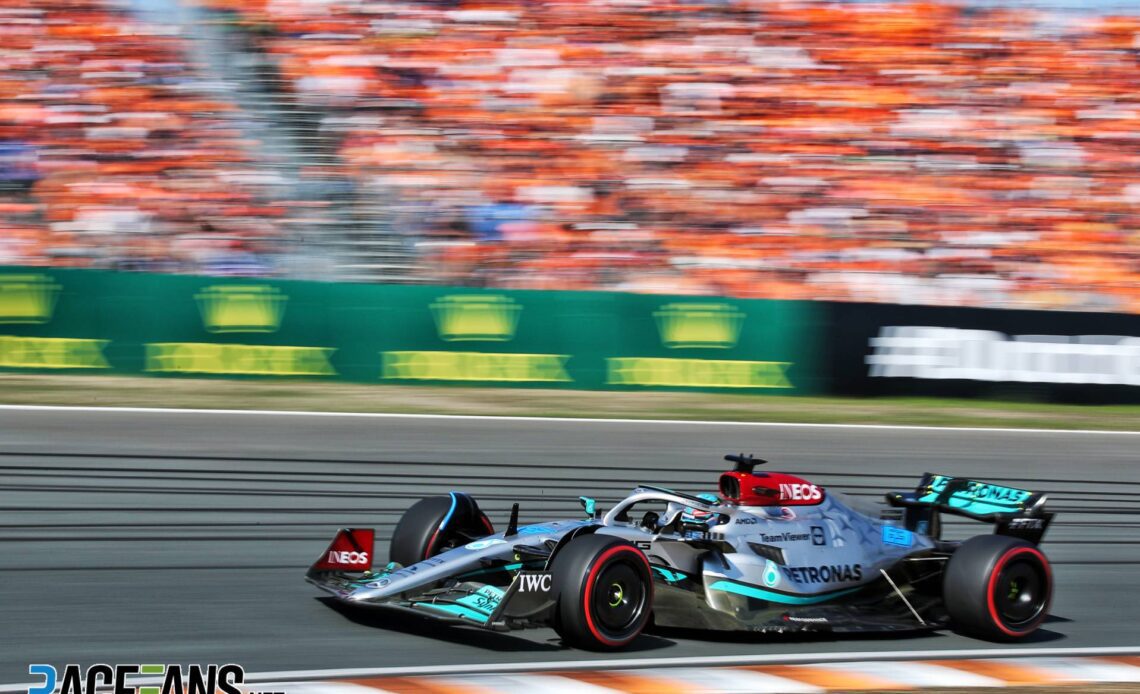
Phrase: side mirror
(589, 505)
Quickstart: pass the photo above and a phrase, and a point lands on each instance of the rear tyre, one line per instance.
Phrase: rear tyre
(437, 524)
(997, 587)
(605, 592)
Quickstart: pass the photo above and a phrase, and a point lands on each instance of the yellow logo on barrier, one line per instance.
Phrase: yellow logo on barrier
(474, 317)
(697, 373)
(475, 366)
(253, 360)
(27, 298)
(486, 317)
(52, 353)
(699, 325)
(252, 308)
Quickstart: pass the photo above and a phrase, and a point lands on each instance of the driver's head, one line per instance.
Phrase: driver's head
(696, 516)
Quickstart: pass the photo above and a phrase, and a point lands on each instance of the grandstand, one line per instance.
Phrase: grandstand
(912, 153)
(114, 152)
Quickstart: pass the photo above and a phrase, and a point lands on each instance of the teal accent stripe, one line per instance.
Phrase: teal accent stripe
(485, 601)
(450, 511)
(458, 610)
(770, 596)
(669, 575)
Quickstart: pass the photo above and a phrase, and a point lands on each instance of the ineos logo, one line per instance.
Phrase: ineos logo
(800, 492)
(532, 583)
(336, 557)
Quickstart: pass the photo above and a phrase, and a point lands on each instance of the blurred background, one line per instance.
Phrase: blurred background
(962, 154)
(903, 167)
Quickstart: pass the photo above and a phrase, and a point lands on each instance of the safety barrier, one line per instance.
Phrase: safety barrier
(85, 321)
(165, 325)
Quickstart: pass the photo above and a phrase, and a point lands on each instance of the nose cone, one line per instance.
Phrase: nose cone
(379, 589)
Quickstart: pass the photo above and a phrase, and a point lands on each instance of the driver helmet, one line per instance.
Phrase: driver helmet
(696, 516)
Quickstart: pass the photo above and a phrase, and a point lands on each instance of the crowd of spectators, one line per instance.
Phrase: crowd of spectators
(114, 153)
(900, 152)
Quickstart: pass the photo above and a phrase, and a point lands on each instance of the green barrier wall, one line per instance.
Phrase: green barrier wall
(169, 325)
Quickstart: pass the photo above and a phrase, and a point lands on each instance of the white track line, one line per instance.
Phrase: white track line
(632, 663)
(552, 420)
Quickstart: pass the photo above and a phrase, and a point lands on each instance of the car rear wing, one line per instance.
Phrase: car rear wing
(1015, 512)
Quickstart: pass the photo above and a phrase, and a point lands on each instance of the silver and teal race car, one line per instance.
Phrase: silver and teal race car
(770, 552)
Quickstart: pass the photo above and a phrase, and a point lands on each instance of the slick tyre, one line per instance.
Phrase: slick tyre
(997, 588)
(605, 592)
(436, 524)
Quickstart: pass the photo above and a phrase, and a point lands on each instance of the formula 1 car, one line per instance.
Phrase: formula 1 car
(771, 553)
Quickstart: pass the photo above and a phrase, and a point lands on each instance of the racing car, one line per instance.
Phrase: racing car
(771, 552)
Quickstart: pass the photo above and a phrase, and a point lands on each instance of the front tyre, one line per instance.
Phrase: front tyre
(997, 587)
(436, 524)
(605, 592)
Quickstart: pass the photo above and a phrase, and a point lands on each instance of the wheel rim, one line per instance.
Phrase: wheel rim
(617, 594)
(1020, 593)
(619, 597)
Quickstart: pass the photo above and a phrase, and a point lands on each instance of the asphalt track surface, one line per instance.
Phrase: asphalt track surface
(183, 537)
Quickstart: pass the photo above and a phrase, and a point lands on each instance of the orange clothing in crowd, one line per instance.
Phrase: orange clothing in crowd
(901, 152)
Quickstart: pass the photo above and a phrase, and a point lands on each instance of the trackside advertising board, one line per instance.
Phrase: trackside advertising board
(83, 321)
(880, 349)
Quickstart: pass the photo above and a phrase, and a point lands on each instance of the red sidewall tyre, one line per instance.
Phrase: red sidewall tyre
(997, 587)
(605, 592)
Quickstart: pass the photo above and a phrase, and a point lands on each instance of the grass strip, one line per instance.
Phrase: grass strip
(128, 391)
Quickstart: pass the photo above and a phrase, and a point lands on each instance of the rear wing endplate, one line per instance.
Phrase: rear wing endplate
(1015, 512)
